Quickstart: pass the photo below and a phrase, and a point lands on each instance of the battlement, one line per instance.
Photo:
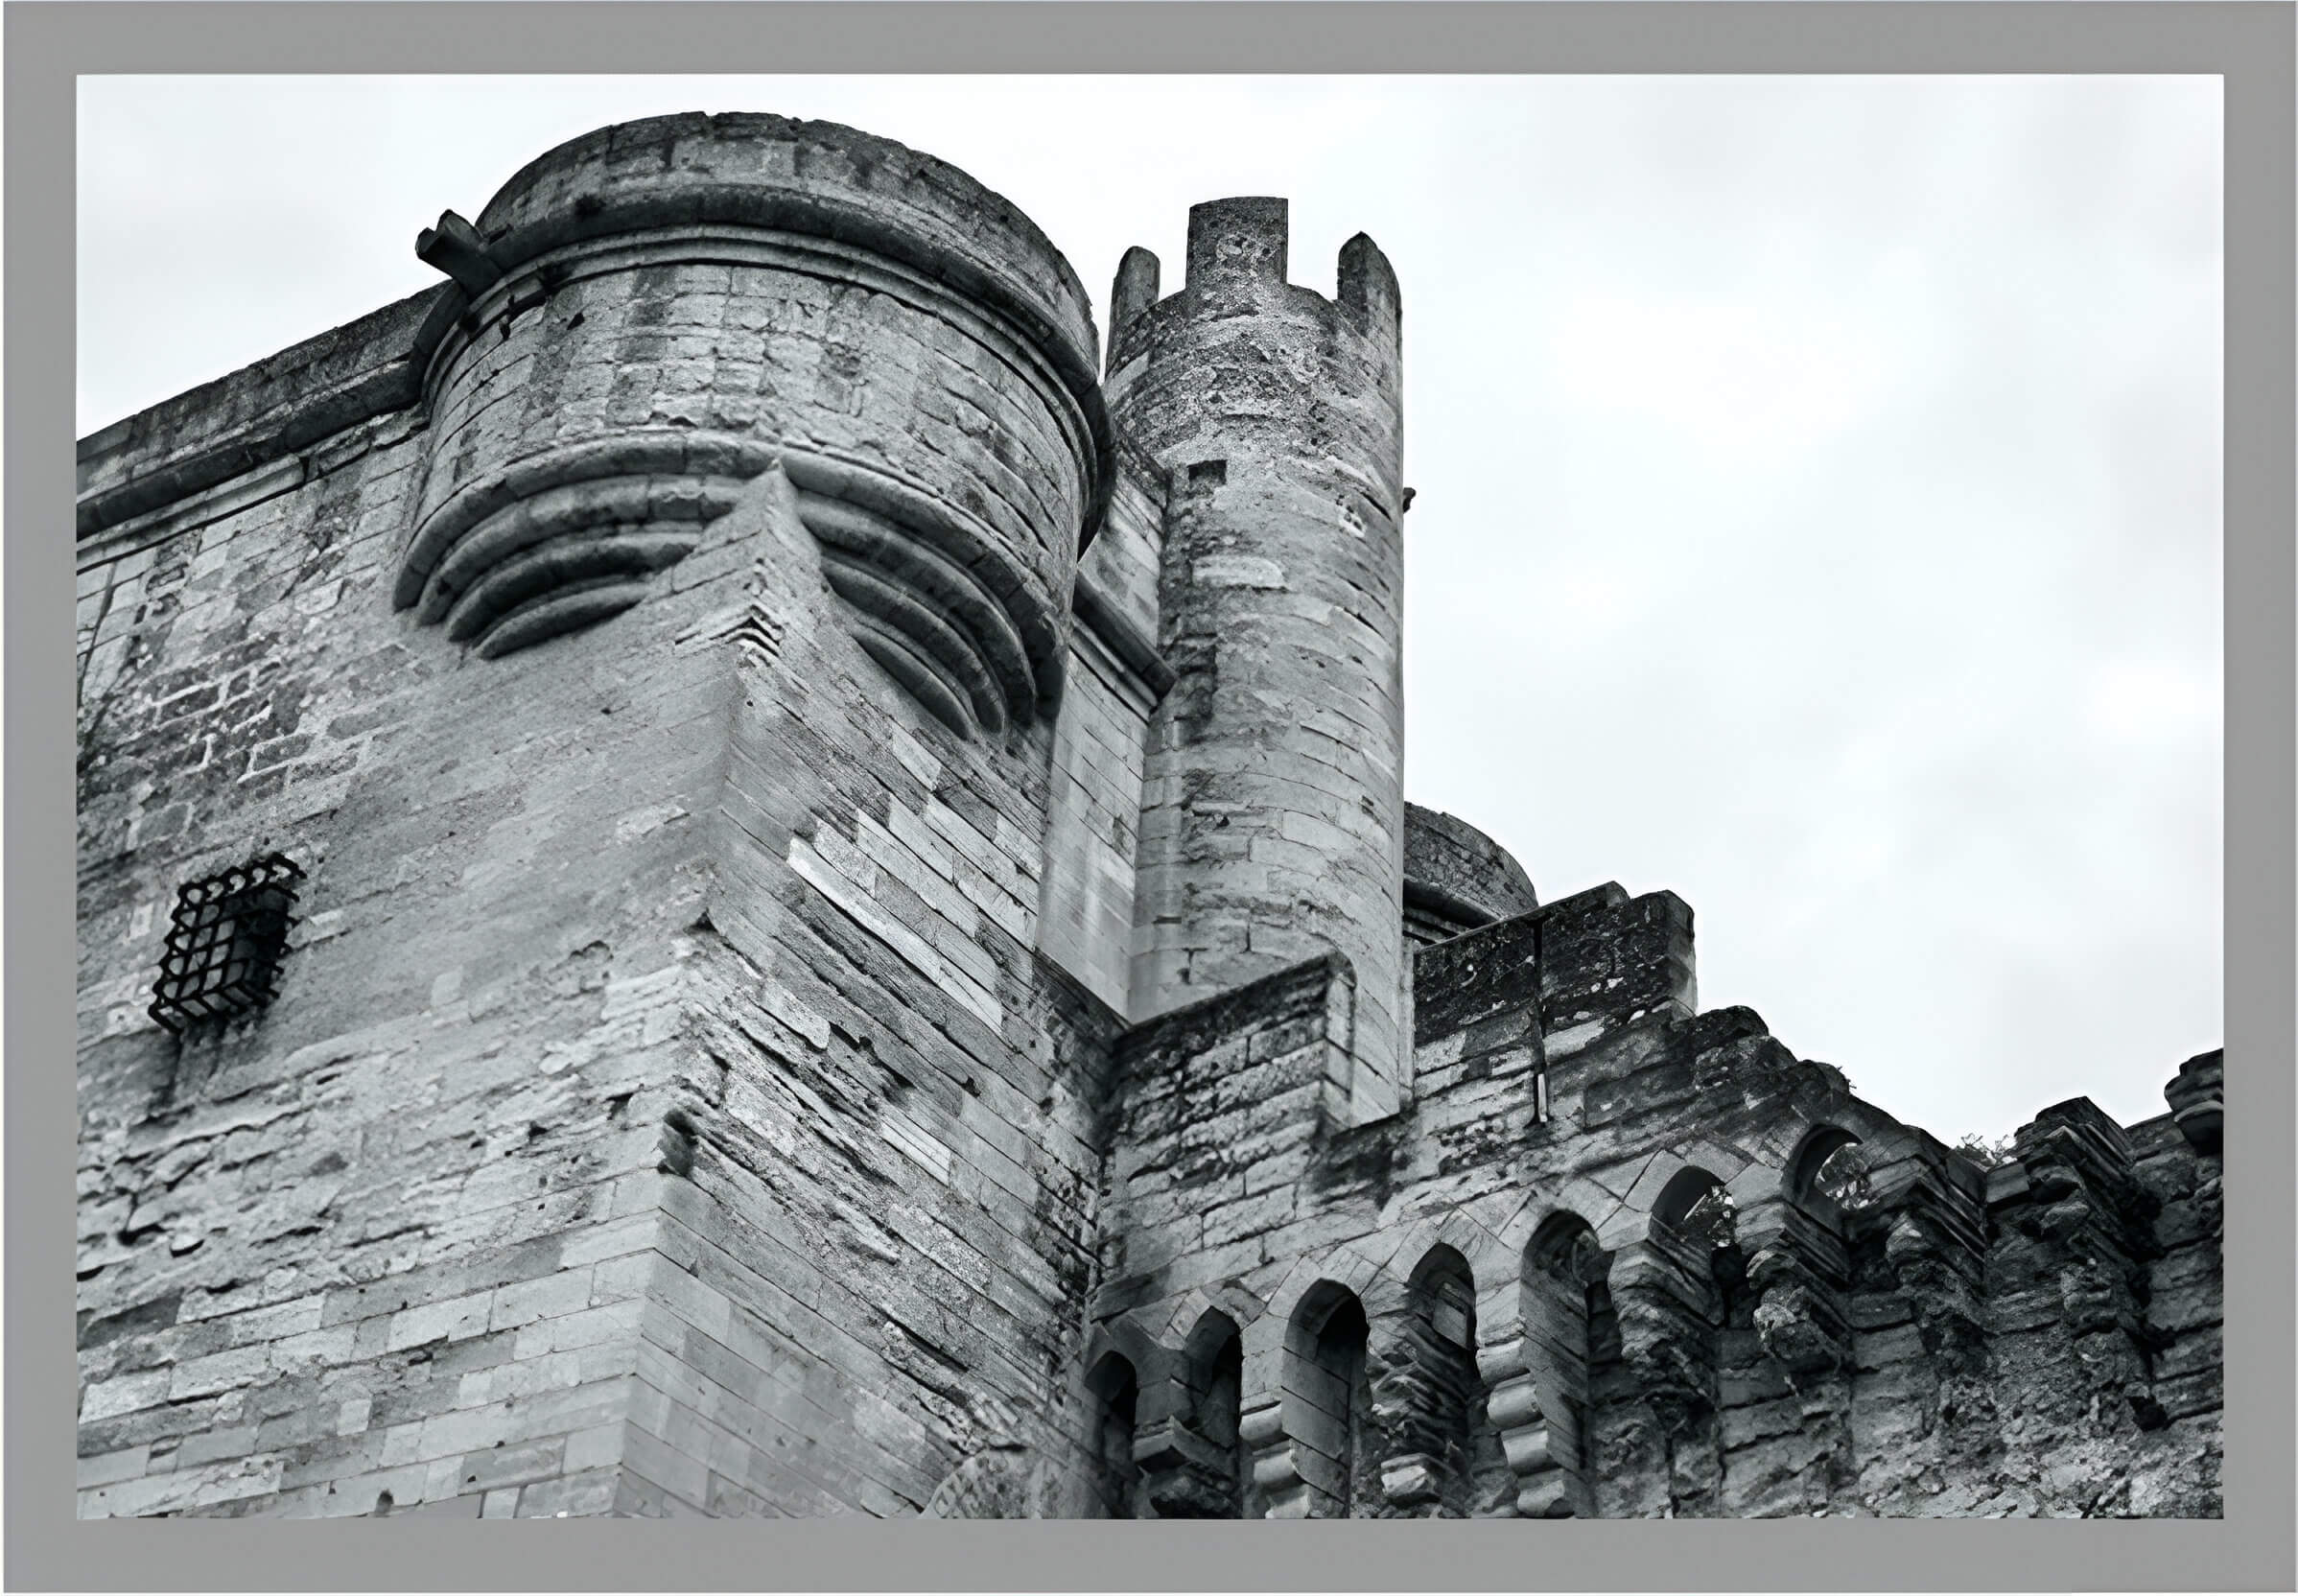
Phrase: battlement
(1238, 247)
(1238, 264)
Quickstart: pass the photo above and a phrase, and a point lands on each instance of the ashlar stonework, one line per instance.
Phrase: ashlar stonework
(859, 948)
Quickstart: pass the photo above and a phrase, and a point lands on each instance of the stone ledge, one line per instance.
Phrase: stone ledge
(288, 402)
(1133, 648)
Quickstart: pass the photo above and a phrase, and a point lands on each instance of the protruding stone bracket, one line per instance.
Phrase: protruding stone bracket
(1935, 1243)
(1427, 1392)
(1302, 1408)
(2197, 1099)
(1404, 1403)
(1189, 1417)
(455, 248)
(562, 539)
(1928, 1206)
(937, 578)
(1187, 1476)
(1666, 1317)
(1799, 1268)
(1279, 1473)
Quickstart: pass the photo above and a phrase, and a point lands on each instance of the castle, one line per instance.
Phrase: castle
(724, 871)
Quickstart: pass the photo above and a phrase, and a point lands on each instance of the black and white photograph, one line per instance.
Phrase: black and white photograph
(747, 845)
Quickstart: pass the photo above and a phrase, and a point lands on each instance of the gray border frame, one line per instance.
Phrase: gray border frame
(2249, 42)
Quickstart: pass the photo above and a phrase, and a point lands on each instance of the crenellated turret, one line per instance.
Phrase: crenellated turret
(1272, 815)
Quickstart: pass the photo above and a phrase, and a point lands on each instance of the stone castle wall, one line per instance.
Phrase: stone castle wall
(757, 738)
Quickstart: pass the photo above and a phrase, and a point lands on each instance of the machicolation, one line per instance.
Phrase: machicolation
(857, 946)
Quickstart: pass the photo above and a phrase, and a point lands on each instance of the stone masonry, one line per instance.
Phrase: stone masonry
(859, 948)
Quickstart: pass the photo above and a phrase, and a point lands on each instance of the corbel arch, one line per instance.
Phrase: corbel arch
(1306, 1408)
(1539, 1388)
(1190, 1448)
(1428, 1394)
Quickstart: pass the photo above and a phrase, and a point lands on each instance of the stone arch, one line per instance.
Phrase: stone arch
(1127, 1339)
(1480, 1245)
(1188, 1310)
(1428, 1393)
(1684, 1190)
(1800, 1178)
(1313, 1464)
(1789, 1137)
(1343, 1267)
(1560, 1232)
(1684, 1206)
(1440, 1262)
(1579, 1198)
(1666, 1174)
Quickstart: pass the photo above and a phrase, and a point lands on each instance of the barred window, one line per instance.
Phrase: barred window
(225, 943)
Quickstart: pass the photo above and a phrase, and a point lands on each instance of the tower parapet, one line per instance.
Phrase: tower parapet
(1272, 817)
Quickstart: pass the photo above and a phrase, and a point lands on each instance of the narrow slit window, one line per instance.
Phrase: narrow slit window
(224, 941)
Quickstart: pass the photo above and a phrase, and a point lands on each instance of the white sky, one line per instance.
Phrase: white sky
(1818, 502)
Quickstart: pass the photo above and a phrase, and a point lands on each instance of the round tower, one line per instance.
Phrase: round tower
(1272, 810)
(656, 312)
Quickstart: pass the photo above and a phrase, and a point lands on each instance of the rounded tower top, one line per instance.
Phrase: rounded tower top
(755, 169)
(1457, 879)
(680, 304)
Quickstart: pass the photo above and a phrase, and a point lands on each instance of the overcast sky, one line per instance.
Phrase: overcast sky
(1819, 503)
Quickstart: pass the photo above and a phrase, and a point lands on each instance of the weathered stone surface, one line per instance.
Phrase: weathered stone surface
(1457, 879)
(1272, 817)
(862, 949)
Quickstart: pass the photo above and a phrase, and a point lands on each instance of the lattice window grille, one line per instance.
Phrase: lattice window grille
(224, 941)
